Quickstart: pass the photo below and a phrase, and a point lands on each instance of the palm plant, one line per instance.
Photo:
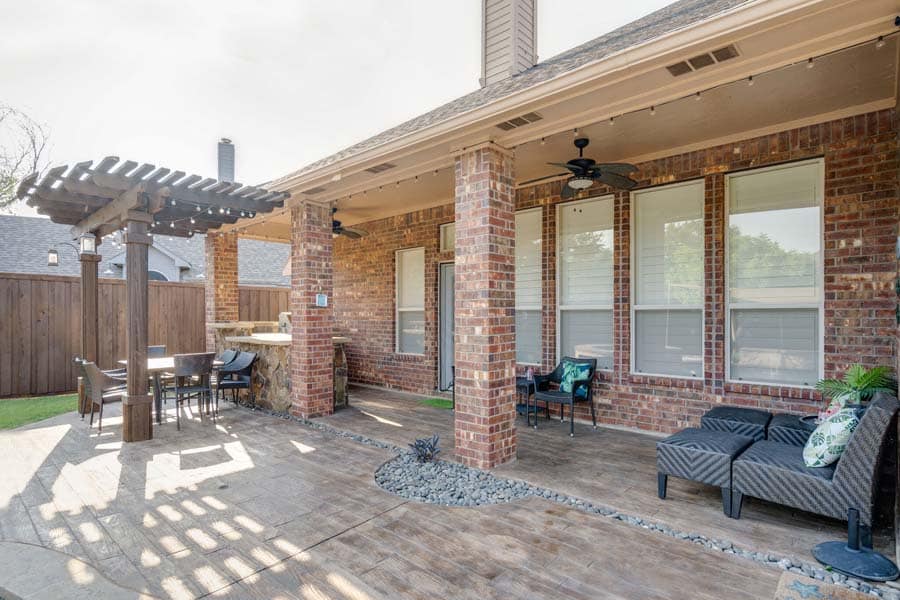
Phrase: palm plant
(858, 385)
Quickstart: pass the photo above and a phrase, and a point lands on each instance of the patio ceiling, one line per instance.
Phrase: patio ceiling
(100, 198)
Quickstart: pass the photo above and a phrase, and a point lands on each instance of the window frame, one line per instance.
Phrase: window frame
(632, 268)
(558, 277)
(540, 307)
(442, 235)
(397, 309)
(820, 273)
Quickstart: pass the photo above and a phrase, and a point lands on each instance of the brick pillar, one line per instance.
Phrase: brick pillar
(221, 282)
(312, 327)
(485, 415)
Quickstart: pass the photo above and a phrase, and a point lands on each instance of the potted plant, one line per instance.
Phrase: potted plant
(856, 388)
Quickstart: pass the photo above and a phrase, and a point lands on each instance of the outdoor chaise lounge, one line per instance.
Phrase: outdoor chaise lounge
(582, 390)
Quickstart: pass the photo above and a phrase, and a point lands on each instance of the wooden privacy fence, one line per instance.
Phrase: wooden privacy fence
(40, 328)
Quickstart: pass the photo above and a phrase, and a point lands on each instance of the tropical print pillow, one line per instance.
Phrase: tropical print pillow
(573, 372)
(828, 441)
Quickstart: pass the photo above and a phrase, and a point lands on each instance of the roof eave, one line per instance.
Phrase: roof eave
(717, 25)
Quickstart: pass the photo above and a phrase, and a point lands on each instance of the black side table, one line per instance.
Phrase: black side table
(526, 388)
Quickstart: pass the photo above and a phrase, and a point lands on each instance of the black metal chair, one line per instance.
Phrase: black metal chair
(100, 389)
(192, 378)
(582, 391)
(237, 375)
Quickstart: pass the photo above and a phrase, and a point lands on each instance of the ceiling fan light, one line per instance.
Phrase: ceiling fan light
(580, 183)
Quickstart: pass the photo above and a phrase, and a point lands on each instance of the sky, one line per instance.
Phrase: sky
(289, 81)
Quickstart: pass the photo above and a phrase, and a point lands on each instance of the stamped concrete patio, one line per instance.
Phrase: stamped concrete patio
(259, 507)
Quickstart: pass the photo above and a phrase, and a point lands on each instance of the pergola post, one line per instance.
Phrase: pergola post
(485, 413)
(90, 350)
(136, 424)
(312, 325)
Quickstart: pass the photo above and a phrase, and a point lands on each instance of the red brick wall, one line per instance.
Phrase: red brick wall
(312, 327)
(861, 215)
(221, 281)
(364, 300)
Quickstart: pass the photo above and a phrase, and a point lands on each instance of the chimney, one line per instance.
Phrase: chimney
(508, 38)
(226, 160)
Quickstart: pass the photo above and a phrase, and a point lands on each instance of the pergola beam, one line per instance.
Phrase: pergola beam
(112, 213)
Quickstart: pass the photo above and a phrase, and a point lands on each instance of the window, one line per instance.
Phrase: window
(411, 301)
(156, 276)
(448, 237)
(775, 274)
(528, 287)
(668, 281)
(585, 280)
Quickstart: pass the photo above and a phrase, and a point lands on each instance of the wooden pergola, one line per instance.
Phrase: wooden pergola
(139, 199)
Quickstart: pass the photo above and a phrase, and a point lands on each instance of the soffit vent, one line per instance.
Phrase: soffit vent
(702, 61)
(315, 190)
(380, 168)
(519, 121)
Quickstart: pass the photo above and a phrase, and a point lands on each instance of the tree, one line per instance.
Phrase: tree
(23, 145)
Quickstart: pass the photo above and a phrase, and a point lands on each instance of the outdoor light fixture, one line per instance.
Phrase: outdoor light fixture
(580, 183)
(87, 244)
(52, 258)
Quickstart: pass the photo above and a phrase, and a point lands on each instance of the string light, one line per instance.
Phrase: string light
(652, 110)
(575, 132)
(543, 142)
(750, 81)
(810, 63)
(612, 121)
(880, 43)
(193, 221)
(698, 97)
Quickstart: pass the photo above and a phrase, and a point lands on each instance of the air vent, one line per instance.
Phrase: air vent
(380, 168)
(315, 190)
(519, 121)
(703, 60)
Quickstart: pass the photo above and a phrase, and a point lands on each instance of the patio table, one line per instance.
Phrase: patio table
(156, 367)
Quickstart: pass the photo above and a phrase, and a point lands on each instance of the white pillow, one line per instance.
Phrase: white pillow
(828, 441)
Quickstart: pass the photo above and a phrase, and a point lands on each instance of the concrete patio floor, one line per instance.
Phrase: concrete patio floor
(259, 507)
(610, 467)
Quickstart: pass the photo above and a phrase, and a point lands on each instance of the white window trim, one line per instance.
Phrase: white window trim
(820, 266)
(561, 307)
(537, 307)
(686, 307)
(397, 309)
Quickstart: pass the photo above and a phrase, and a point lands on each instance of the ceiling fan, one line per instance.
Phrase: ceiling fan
(351, 232)
(585, 171)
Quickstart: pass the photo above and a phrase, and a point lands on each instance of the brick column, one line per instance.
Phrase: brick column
(485, 430)
(312, 327)
(221, 282)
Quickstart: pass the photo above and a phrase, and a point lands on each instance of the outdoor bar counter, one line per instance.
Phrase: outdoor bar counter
(272, 373)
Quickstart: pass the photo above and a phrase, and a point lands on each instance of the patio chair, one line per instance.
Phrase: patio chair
(100, 389)
(582, 391)
(236, 375)
(775, 471)
(119, 374)
(192, 378)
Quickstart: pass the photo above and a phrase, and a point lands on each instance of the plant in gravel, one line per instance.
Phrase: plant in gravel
(426, 449)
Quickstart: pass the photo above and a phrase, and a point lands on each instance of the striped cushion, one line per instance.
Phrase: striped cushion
(700, 455)
(737, 419)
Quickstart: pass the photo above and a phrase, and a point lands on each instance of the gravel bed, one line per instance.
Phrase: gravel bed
(453, 484)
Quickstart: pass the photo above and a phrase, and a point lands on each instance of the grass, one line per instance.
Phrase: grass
(21, 411)
(437, 403)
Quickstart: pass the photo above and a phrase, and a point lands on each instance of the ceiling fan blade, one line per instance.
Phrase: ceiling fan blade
(561, 165)
(352, 233)
(617, 181)
(617, 168)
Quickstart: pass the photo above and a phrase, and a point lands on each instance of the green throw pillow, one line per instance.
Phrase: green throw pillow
(828, 441)
(573, 372)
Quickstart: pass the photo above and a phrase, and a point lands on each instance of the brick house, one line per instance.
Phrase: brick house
(755, 255)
